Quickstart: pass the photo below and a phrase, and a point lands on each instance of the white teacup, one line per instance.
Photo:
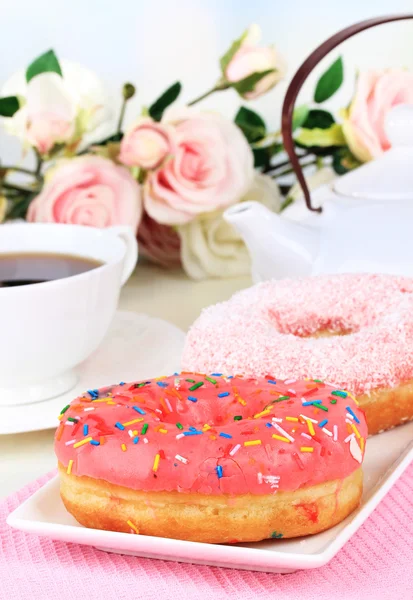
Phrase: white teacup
(49, 328)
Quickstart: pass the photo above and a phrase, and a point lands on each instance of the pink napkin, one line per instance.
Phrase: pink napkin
(377, 564)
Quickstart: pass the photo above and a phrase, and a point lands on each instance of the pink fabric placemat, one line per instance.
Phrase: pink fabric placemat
(376, 564)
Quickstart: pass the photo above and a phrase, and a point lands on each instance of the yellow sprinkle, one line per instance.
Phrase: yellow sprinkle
(135, 432)
(110, 402)
(60, 417)
(133, 526)
(69, 467)
(262, 414)
(241, 401)
(132, 422)
(156, 463)
(352, 397)
(356, 431)
(84, 441)
(306, 449)
(123, 447)
(160, 378)
(362, 443)
(163, 430)
(291, 419)
(280, 437)
(310, 427)
(206, 427)
(252, 443)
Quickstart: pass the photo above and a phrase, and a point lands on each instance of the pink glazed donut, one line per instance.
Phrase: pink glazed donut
(211, 458)
(353, 330)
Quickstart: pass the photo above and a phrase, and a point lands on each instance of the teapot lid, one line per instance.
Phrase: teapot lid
(389, 177)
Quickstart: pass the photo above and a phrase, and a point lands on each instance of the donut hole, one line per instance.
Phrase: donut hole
(324, 333)
(312, 326)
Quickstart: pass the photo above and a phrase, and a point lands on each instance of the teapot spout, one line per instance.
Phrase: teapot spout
(278, 247)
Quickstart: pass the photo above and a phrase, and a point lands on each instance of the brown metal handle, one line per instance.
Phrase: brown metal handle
(299, 79)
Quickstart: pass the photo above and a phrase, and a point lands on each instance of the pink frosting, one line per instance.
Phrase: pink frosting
(262, 330)
(194, 434)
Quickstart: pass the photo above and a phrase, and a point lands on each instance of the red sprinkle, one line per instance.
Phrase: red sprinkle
(298, 460)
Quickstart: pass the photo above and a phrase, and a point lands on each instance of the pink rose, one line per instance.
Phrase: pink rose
(212, 167)
(88, 190)
(250, 59)
(376, 93)
(146, 145)
(159, 243)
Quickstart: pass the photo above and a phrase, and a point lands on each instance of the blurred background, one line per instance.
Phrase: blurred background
(152, 44)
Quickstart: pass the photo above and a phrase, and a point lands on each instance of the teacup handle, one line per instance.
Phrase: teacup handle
(131, 255)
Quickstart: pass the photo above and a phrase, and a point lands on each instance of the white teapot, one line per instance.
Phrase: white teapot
(363, 222)
(366, 224)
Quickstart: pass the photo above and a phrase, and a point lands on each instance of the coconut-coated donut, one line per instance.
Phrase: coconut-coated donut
(212, 458)
(353, 330)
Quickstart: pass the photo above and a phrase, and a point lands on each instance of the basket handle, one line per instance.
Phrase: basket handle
(301, 76)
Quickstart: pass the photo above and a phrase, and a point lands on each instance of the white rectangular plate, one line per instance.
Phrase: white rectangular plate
(387, 456)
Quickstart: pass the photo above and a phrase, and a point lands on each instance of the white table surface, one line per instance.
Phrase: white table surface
(169, 295)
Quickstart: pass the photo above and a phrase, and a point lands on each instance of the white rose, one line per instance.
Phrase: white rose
(58, 109)
(210, 247)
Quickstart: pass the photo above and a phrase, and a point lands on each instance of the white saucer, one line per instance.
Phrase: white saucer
(136, 347)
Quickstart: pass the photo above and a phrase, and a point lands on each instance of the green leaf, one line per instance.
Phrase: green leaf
(157, 108)
(321, 119)
(20, 206)
(9, 105)
(251, 124)
(235, 46)
(262, 156)
(248, 84)
(286, 203)
(299, 116)
(333, 136)
(46, 63)
(344, 161)
(329, 82)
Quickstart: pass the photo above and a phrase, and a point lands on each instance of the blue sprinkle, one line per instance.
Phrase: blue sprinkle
(93, 393)
(268, 424)
(352, 413)
(323, 423)
(192, 398)
(162, 384)
(119, 426)
(136, 439)
(340, 393)
(272, 381)
(192, 428)
(193, 432)
(94, 443)
(139, 410)
(122, 383)
(218, 469)
(312, 402)
(230, 377)
(176, 374)
(216, 374)
(225, 435)
(85, 429)
(223, 394)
